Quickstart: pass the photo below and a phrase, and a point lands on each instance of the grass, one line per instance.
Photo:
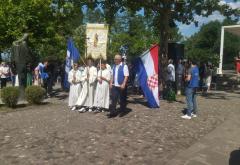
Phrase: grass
(5, 109)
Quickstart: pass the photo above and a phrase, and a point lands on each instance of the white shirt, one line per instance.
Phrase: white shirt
(171, 72)
(125, 72)
(109, 68)
(39, 65)
(4, 71)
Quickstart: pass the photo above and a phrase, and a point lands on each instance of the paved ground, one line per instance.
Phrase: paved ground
(51, 134)
(220, 147)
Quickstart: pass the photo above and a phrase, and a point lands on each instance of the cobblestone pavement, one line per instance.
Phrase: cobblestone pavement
(52, 134)
(219, 147)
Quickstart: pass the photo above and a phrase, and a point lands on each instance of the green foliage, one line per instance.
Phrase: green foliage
(171, 95)
(34, 94)
(50, 22)
(134, 31)
(205, 45)
(167, 13)
(10, 96)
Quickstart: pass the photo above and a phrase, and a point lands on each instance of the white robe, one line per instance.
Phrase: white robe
(88, 90)
(109, 67)
(101, 98)
(16, 81)
(75, 89)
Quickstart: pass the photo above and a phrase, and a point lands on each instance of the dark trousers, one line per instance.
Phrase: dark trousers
(116, 94)
(171, 85)
(47, 85)
(13, 79)
(3, 82)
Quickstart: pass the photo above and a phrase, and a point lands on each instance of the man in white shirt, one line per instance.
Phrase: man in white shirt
(120, 74)
(4, 74)
(170, 74)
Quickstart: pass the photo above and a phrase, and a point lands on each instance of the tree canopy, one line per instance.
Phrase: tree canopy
(50, 22)
(167, 12)
(204, 46)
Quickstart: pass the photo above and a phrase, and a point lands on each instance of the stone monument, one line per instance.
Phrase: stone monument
(21, 56)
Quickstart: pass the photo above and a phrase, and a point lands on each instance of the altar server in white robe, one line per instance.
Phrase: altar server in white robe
(101, 99)
(74, 78)
(85, 100)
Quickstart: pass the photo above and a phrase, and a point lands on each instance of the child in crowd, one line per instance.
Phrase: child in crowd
(74, 78)
(101, 99)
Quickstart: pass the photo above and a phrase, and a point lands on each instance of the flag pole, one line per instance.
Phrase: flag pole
(83, 61)
(100, 65)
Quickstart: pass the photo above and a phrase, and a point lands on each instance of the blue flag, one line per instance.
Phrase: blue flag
(73, 55)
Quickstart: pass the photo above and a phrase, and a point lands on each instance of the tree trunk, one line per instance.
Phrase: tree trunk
(163, 53)
(0, 56)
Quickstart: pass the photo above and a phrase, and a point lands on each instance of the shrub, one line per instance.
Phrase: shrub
(34, 94)
(171, 96)
(10, 96)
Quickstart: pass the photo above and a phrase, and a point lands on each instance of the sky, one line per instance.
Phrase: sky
(188, 30)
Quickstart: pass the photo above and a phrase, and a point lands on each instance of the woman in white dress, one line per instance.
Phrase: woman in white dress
(74, 78)
(101, 99)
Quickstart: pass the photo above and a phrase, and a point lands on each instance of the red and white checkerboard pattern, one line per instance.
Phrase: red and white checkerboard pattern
(153, 81)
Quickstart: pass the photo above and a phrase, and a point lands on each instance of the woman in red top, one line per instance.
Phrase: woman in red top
(237, 61)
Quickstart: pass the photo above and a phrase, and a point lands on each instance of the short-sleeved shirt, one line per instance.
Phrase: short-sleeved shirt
(125, 72)
(171, 72)
(4, 71)
(194, 81)
(180, 69)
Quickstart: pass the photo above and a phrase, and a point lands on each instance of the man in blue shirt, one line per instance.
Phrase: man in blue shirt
(191, 89)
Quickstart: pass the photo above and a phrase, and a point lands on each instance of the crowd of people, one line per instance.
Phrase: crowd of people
(42, 75)
(176, 77)
(91, 87)
(99, 87)
(185, 77)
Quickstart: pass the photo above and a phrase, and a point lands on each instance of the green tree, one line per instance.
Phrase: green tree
(133, 31)
(205, 45)
(167, 12)
(49, 23)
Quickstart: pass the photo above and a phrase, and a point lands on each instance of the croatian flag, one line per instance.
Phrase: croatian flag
(147, 70)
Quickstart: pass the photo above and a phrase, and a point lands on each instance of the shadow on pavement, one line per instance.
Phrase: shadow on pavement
(21, 105)
(214, 96)
(120, 113)
(59, 94)
(124, 113)
(141, 101)
(61, 97)
(234, 157)
(184, 111)
(179, 101)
